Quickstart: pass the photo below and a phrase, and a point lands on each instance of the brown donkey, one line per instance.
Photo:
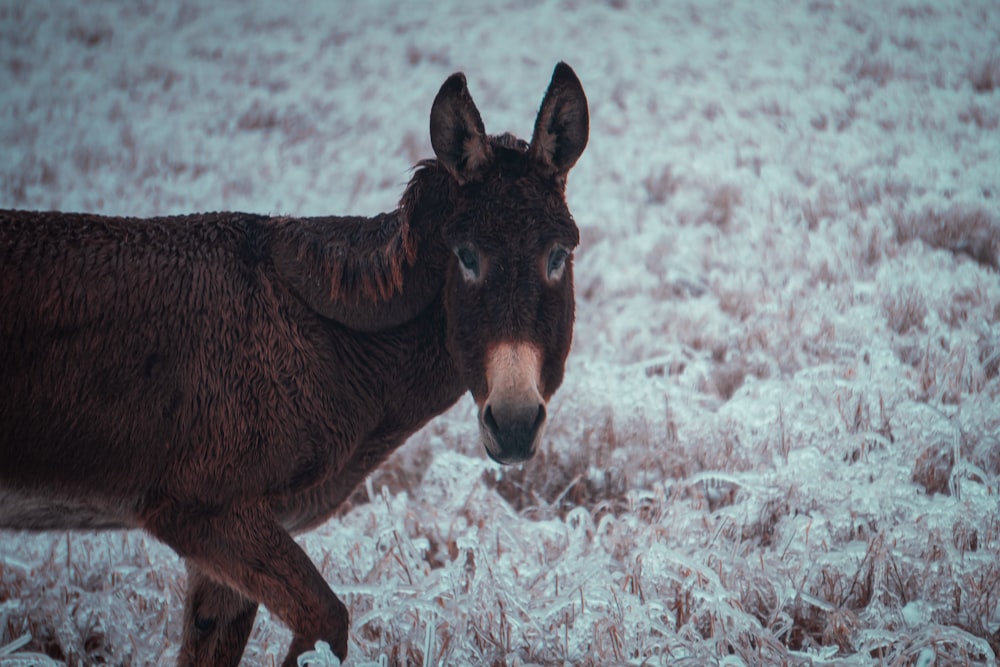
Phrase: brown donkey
(224, 380)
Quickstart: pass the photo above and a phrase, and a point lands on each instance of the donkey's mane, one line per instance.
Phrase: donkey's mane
(364, 259)
(508, 140)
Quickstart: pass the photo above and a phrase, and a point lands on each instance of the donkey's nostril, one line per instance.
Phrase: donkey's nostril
(491, 422)
(540, 417)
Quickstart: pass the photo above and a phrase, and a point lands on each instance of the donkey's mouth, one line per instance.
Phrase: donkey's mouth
(515, 436)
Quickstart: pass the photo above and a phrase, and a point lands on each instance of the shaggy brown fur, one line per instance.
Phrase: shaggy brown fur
(224, 380)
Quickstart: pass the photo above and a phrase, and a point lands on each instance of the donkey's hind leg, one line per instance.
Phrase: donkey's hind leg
(217, 623)
(247, 549)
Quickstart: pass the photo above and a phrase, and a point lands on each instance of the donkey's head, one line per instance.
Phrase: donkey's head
(509, 286)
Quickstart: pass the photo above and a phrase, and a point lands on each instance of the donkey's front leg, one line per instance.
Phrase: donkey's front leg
(246, 549)
(217, 623)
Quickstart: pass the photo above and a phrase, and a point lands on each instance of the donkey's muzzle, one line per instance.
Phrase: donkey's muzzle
(512, 417)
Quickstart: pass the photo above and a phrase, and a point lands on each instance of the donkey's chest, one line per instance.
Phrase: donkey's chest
(412, 389)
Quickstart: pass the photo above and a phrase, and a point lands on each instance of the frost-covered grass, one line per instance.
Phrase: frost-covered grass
(778, 441)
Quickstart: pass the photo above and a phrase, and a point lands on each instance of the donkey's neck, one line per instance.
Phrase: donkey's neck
(369, 274)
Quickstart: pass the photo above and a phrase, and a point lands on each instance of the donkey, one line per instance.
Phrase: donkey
(225, 380)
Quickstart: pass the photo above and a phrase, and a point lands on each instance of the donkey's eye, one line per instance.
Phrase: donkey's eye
(469, 261)
(557, 262)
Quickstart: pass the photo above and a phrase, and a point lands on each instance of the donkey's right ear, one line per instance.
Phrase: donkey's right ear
(457, 132)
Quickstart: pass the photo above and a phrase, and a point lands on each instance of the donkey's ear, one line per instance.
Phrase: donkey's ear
(563, 123)
(457, 132)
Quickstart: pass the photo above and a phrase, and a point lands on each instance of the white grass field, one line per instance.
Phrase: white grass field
(778, 441)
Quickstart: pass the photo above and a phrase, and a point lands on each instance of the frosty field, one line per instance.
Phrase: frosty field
(778, 440)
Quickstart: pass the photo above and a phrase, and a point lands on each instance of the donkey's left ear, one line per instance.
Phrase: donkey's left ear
(563, 123)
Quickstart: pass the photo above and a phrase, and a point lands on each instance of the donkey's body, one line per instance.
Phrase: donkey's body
(118, 402)
(223, 380)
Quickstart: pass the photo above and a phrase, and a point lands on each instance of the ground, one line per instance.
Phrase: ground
(778, 441)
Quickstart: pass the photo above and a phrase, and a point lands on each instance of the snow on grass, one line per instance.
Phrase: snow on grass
(778, 440)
